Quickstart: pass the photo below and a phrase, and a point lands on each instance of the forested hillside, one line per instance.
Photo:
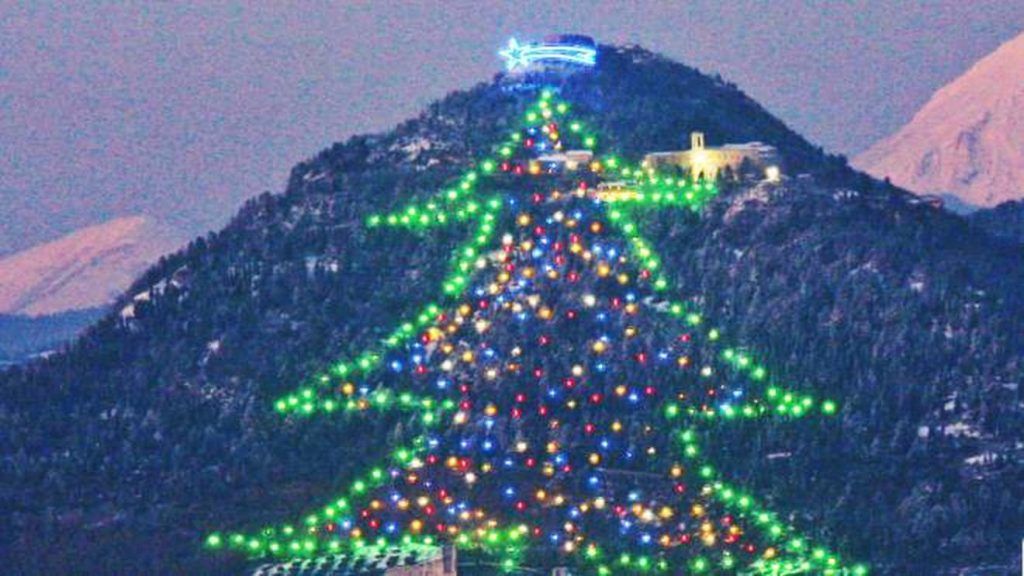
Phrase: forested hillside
(158, 425)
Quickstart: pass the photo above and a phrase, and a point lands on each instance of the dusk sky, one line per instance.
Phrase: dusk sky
(182, 112)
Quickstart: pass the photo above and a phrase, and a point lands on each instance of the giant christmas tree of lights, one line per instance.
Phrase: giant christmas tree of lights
(556, 392)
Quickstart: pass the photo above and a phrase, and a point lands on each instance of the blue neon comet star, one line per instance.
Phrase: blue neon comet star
(518, 55)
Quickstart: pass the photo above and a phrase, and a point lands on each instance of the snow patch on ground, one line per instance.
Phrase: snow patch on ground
(759, 195)
(983, 459)
(961, 430)
(413, 148)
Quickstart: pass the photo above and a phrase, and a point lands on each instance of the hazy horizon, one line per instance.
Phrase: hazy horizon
(181, 112)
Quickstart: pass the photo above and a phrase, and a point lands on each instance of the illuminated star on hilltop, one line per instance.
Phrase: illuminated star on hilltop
(570, 50)
(516, 55)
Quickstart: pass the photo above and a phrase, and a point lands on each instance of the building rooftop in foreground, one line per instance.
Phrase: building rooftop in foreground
(417, 560)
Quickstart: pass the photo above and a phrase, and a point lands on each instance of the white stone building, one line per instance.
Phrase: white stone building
(703, 162)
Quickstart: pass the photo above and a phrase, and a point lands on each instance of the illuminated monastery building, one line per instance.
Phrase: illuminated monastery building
(703, 162)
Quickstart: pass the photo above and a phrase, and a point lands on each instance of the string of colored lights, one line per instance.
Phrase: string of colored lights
(810, 559)
(786, 402)
(547, 248)
(458, 203)
(464, 260)
(463, 203)
(287, 540)
(381, 399)
(641, 562)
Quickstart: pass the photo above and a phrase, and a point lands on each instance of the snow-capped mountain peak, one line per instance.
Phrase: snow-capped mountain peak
(968, 140)
(86, 268)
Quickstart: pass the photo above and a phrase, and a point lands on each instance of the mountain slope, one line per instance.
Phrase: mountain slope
(967, 140)
(1005, 221)
(157, 426)
(23, 337)
(84, 269)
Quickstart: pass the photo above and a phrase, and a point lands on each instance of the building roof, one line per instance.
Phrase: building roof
(751, 146)
(669, 154)
(373, 561)
(759, 147)
(574, 155)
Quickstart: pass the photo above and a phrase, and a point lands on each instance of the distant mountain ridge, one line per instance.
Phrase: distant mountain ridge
(85, 269)
(25, 337)
(1005, 221)
(968, 140)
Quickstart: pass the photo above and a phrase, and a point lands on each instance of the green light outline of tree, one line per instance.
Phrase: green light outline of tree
(469, 206)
